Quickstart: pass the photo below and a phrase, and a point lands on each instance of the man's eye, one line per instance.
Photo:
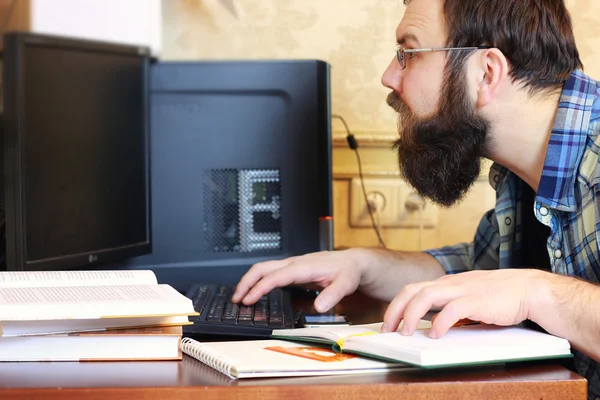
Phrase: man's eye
(410, 55)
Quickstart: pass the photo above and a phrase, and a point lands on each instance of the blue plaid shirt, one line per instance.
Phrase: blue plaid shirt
(567, 201)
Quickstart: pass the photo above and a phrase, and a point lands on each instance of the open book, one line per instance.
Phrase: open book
(153, 343)
(47, 302)
(276, 358)
(461, 346)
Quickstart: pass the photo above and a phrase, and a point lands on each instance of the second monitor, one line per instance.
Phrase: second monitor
(74, 142)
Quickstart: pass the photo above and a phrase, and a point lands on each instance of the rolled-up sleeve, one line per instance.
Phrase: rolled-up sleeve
(481, 253)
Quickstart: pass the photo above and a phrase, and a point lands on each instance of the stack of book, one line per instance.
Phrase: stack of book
(90, 315)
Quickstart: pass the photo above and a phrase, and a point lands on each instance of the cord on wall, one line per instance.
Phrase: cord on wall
(378, 203)
(415, 202)
(353, 144)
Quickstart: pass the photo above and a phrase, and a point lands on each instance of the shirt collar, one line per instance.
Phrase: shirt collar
(567, 143)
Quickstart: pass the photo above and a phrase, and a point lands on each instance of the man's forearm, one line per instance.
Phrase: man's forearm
(386, 272)
(567, 307)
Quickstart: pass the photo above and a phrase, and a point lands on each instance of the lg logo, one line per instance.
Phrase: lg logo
(92, 258)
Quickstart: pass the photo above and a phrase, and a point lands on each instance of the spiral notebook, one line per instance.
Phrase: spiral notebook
(278, 358)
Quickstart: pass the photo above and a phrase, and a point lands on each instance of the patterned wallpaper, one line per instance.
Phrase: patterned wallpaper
(587, 33)
(355, 36)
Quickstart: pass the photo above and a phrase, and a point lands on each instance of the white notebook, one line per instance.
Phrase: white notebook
(276, 358)
(151, 343)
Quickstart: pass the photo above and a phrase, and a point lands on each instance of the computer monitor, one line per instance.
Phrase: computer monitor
(75, 149)
(241, 167)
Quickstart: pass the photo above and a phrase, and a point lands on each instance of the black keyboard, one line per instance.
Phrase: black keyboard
(219, 316)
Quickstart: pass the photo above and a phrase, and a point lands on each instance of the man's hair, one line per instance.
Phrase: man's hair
(536, 36)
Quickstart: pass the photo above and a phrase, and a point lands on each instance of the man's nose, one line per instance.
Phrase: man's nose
(392, 77)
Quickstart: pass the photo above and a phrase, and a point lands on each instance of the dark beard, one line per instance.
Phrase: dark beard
(440, 156)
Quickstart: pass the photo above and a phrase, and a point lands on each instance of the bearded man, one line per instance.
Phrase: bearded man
(502, 80)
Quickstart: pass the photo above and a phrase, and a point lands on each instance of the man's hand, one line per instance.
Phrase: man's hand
(376, 272)
(338, 273)
(497, 297)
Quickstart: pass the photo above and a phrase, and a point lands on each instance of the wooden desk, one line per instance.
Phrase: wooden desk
(189, 379)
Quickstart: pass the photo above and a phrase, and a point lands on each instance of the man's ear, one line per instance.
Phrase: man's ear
(493, 69)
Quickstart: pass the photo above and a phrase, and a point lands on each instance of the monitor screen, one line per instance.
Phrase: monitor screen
(76, 152)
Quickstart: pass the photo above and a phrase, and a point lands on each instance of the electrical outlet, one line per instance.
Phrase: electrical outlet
(396, 200)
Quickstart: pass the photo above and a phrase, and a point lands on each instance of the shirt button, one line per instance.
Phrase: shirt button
(495, 178)
(543, 211)
(508, 221)
(557, 253)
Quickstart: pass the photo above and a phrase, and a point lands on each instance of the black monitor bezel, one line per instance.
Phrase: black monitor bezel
(14, 173)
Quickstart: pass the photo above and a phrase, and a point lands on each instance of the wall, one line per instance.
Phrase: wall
(357, 38)
(136, 22)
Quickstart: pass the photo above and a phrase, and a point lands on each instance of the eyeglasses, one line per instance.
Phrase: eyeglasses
(402, 53)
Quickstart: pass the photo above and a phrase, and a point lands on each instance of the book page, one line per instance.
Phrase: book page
(75, 278)
(462, 345)
(334, 333)
(46, 303)
(467, 338)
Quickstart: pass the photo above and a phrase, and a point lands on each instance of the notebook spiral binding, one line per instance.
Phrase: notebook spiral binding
(207, 356)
